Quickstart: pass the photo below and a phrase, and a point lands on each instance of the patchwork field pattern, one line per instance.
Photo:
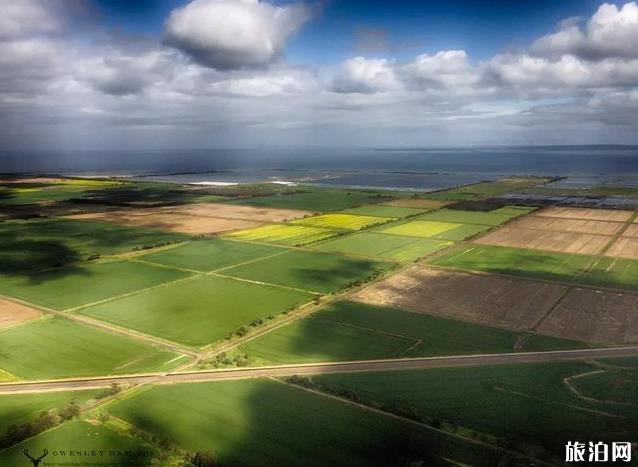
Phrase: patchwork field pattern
(12, 313)
(373, 244)
(342, 221)
(492, 300)
(379, 210)
(491, 218)
(416, 203)
(624, 247)
(285, 234)
(198, 311)
(435, 230)
(59, 348)
(321, 200)
(234, 211)
(587, 214)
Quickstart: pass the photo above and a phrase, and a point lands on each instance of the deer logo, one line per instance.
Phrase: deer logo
(36, 461)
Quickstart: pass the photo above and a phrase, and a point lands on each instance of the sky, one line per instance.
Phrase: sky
(144, 74)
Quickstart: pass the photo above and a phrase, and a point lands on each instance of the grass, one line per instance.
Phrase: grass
(11, 196)
(385, 211)
(341, 221)
(393, 247)
(486, 190)
(197, 311)
(39, 244)
(614, 272)
(62, 288)
(614, 385)
(290, 235)
(317, 272)
(82, 443)
(263, 422)
(435, 229)
(208, 255)
(59, 348)
(490, 218)
(320, 200)
(16, 409)
(528, 406)
(355, 331)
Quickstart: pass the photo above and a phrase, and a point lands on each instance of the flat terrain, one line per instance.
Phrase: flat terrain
(319, 200)
(559, 224)
(416, 203)
(491, 300)
(60, 348)
(624, 247)
(595, 316)
(587, 214)
(342, 221)
(74, 286)
(356, 331)
(234, 211)
(434, 229)
(313, 271)
(379, 210)
(208, 255)
(285, 234)
(12, 313)
(197, 311)
(491, 218)
(373, 244)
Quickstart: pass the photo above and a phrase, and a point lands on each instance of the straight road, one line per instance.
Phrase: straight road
(321, 368)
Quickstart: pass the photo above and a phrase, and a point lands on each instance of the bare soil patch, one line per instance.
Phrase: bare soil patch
(565, 242)
(235, 211)
(415, 203)
(559, 224)
(492, 300)
(612, 215)
(12, 313)
(624, 247)
(595, 316)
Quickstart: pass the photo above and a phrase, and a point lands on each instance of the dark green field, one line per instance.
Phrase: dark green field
(317, 272)
(198, 311)
(491, 218)
(356, 331)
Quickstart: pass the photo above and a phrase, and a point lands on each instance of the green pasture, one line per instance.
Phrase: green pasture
(284, 234)
(197, 311)
(486, 190)
(268, 423)
(435, 229)
(490, 218)
(208, 255)
(313, 271)
(356, 331)
(320, 200)
(393, 247)
(613, 272)
(83, 437)
(60, 348)
(616, 385)
(62, 288)
(527, 406)
(341, 221)
(378, 210)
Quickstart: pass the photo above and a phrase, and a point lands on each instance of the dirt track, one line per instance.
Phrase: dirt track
(322, 368)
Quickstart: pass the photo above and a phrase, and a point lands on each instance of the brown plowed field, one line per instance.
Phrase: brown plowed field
(565, 242)
(587, 214)
(491, 300)
(13, 313)
(624, 247)
(595, 316)
(558, 224)
(632, 231)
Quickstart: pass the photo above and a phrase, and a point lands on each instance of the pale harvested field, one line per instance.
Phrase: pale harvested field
(414, 203)
(612, 215)
(595, 316)
(565, 242)
(492, 300)
(170, 221)
(31, 180)
(235, 211)
(624, 247)
(13, 313)
(632, 231)
(559, 224)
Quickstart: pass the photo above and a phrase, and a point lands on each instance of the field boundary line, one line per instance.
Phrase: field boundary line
(568, 382)
(251, 261)
(251, 281)
(363, 328)
(165, 266)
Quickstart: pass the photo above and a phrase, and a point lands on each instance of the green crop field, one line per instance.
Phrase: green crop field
(62, 288)
(385, 211)
(68, 443)
(617, 385)
(356, 331)
(486, 190)
(11, 196)
(491, 218)
(515, 261)
(60, 348)
(394, 247)
(342, 221)
(263, 422)
(613, 272)
(208, 255)
(197, 311)
(16, 409)
(317, 272)
(291, 235)
(320, 200)
(528, 404)
(38, 244)
(435, 229)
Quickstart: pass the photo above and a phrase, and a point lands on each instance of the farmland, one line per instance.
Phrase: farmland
(342, 221)
(435, 230)
(484, 190)
(379, 210)
(58, 348)
(14, 313)
(313, 271)
(291, 235)
(356, 331)
(392, 247)
(491, 218)
(198, 311)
